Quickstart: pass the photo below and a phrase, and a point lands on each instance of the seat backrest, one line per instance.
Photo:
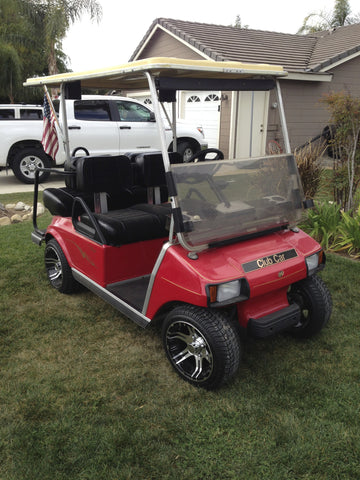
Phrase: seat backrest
(103, 176)
(150, 169)
(151, 175)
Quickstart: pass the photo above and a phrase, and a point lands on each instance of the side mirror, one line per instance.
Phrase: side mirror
(152, 117)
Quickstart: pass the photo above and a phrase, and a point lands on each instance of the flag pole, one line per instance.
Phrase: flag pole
(53, 109)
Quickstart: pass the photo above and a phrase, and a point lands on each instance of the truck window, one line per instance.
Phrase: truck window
(94, 110)
(7, 114)
(31, 114)
(133, 112)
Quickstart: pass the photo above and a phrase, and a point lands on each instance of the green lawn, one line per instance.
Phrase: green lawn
(86, 394)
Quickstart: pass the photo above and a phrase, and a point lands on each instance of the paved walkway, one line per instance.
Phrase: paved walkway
(10, 184)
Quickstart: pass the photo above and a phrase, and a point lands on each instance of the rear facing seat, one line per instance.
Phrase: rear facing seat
(59, 201)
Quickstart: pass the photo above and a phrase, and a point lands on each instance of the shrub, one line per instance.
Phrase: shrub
(322, 222)
(308, 159)
(345, 115)
(348, 237)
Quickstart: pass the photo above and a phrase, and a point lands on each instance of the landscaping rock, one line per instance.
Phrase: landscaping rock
(16, 218)
(4, 221)
(20, 206)
(40, 209)
(18, 212)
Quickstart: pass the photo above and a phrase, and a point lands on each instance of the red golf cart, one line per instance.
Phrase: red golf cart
(209, 247)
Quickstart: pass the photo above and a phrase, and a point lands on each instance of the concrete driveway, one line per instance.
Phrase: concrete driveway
(10, 184)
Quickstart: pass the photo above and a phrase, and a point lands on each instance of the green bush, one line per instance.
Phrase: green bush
(348, 237)
(322, 222)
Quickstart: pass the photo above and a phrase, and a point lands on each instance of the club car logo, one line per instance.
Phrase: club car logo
(268, 261)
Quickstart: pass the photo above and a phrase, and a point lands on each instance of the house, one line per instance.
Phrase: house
(317, 64)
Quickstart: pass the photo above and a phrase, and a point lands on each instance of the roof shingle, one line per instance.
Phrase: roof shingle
(294, 52)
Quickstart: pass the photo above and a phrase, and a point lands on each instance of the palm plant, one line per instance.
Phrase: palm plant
(325, 20)
(57, 16)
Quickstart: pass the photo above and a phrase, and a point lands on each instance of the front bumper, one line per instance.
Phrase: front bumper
(274, 322)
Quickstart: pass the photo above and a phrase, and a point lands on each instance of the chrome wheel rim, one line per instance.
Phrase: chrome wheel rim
(53, 267)
(29, 164)
(189, 351)
(188, 153)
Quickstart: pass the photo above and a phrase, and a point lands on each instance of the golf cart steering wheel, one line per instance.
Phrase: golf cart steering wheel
(201, 155)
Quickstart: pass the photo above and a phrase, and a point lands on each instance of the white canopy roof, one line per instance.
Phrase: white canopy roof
(132, 75)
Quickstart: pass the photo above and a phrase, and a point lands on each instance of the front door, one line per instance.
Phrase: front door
(248, 124)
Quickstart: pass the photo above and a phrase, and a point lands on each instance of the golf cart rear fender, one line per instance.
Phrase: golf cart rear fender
(259, 307)
(81, 253)
(103, 264)
(57, 230)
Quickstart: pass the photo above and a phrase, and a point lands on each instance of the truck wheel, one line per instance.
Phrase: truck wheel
(314, 300)
(25, 162)
(57, 268)
(202, 345)
(186, 150)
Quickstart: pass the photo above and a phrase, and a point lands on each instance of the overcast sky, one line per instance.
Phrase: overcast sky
(111, 42)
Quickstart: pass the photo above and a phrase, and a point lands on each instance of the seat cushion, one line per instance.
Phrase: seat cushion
(129, 225)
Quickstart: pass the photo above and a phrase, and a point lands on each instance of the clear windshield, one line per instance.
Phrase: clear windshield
(221, 200)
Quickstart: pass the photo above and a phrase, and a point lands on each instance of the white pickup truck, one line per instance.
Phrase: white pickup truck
(97, 125)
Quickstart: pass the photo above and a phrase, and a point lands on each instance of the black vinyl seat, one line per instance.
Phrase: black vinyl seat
(134, 223)
(125, 213)
(59, 201)
(110, 175)
(130, 225)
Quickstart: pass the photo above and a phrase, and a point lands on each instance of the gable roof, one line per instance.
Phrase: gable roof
(296, 53)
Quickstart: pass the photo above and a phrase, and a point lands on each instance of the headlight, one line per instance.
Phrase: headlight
(229, 292)
(314, 262)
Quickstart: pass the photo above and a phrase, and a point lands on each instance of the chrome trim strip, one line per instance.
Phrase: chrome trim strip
(153, 275)
(110, 298)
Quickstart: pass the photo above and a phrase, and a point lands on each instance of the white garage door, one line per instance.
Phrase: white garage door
(203, 108)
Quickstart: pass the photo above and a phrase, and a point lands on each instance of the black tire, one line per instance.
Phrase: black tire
(202, 345)
(186, 150)
(314, 300)
(58, 269)
(25, 162)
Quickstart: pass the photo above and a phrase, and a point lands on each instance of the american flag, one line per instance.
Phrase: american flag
(49, 138)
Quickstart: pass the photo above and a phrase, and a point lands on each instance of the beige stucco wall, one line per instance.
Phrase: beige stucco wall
(306, 116)
(164, 45)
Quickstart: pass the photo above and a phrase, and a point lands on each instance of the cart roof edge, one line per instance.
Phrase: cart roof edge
(131, 75)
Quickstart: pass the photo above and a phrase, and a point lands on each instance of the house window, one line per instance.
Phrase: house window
(212, 98)
(193, 99)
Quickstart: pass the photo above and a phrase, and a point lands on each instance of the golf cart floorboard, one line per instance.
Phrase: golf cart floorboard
(132, 291)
